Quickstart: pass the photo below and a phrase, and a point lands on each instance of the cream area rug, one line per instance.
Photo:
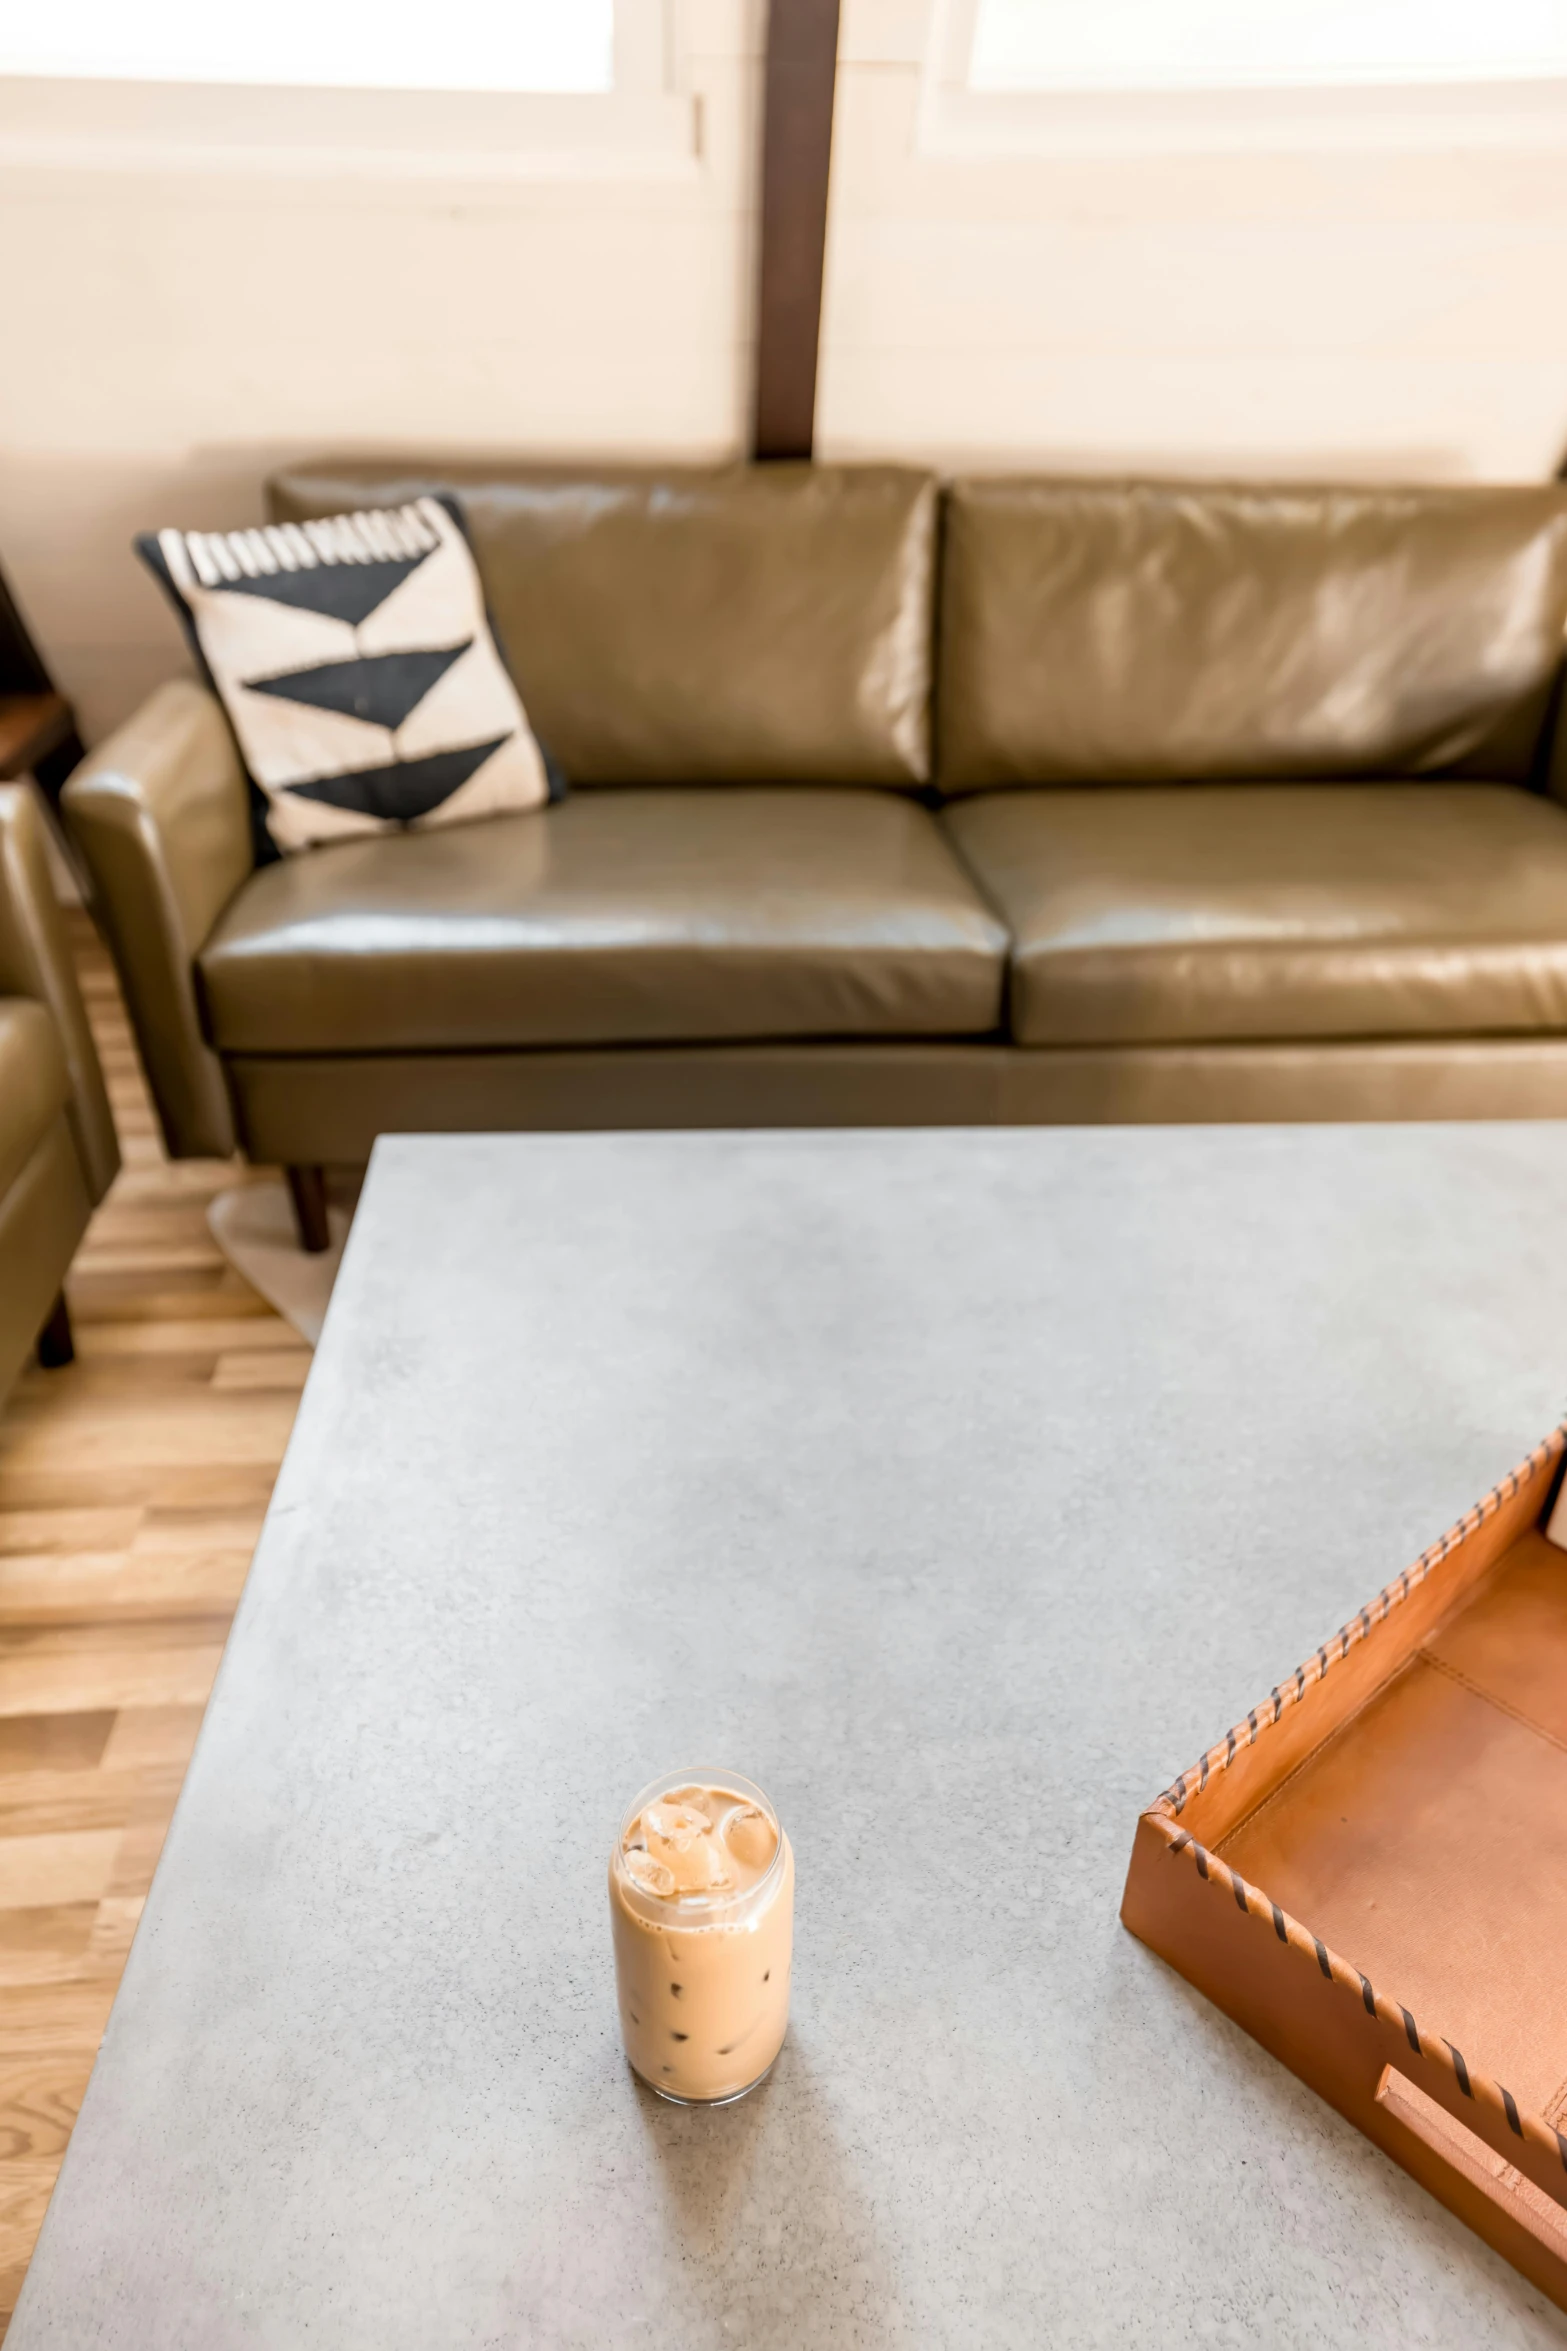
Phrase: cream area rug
(253, 1225)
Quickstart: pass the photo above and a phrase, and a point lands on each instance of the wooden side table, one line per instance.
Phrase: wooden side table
(38, 737)
(38, 734)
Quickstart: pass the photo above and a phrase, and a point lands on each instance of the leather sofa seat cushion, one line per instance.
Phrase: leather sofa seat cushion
(1228, 912)
(34, 1083)
(1146, 632)
(615, 918)
(675, 625)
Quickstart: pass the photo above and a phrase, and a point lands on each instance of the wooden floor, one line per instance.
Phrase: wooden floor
(132, 1487)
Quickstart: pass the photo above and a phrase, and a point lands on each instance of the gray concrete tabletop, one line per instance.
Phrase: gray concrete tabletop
(958, 1487)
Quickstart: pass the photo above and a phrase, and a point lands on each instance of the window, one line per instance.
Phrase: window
(1104, 45)
(565, 46)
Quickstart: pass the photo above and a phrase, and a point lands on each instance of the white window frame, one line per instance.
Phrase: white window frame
(956, 120)
(646, 126)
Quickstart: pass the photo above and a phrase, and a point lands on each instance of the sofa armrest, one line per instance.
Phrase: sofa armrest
(161, 814)
(35, 961)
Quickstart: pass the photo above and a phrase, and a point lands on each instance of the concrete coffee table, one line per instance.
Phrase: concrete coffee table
(957, 1487)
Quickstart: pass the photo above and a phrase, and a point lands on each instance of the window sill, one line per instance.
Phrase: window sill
(244, 131)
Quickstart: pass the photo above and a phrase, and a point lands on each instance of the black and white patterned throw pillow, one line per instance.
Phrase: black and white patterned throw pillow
(359, 671)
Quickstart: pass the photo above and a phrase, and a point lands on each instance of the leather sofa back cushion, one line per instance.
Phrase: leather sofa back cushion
(728, 625)
(1138, 632)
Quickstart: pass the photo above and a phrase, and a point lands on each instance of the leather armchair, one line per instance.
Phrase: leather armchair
(161, 814)
(58, 1153)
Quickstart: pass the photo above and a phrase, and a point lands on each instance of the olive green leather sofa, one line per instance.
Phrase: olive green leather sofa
(58, 1154)
(1009, 800)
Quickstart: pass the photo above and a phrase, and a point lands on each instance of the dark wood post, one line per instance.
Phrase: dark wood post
(802, 70)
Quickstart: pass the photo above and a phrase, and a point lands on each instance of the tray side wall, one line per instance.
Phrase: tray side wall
(1305, 1710)
(1322, 2019)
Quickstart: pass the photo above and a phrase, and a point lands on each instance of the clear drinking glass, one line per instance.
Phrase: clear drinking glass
(701, 1902)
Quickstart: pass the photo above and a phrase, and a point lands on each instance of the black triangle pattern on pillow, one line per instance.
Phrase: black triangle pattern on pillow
(339, 591)
(408, 789)
(327, 641)
(382, 688)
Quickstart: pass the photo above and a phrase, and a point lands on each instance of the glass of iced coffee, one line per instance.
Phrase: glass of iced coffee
(701, 1899)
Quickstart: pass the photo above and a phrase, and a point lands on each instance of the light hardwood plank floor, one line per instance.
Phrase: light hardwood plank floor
(132, 1488)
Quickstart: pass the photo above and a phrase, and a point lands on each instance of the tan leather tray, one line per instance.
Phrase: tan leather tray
(1370, 1872)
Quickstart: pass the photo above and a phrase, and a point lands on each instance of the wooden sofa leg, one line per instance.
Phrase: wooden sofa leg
(56, 1347)
(307, 1190)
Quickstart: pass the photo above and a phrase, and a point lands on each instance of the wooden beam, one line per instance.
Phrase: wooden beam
(802, 68)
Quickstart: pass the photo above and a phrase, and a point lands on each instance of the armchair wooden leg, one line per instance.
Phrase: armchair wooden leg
(307, 1190)
(56, 1347)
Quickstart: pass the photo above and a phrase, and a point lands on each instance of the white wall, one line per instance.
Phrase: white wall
(1358, 283)
(199, 285)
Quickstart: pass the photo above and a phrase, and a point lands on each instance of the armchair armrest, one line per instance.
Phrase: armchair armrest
(35, 961)
(161, 814)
